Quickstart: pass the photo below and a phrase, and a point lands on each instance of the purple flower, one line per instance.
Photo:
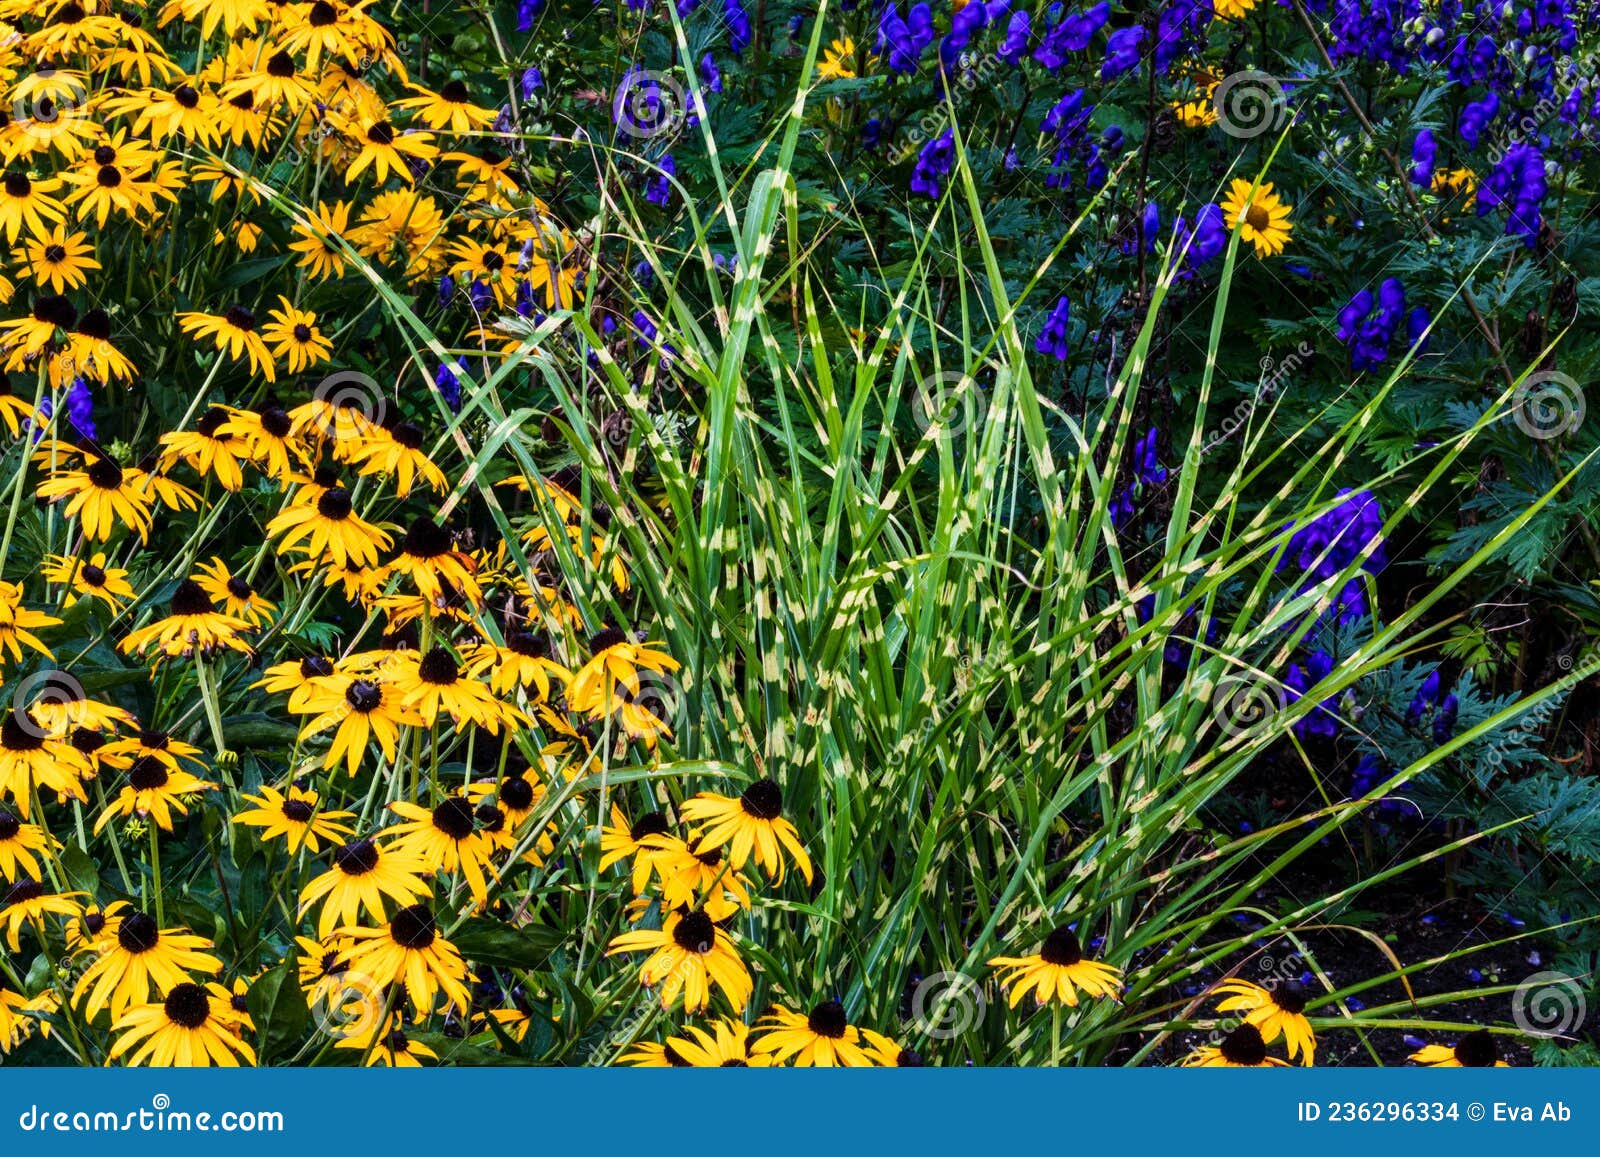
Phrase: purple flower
(1052, 339)
(1122, 52)
(1475, 117)
(658, 190)
(447, 288)
(1016, 41)
(1423, 152)
(448, 384)
(1322, 720)
(532, 82)
(710, 74)
(738, 22)
(934, 163)
(526, 11)
(902, 39)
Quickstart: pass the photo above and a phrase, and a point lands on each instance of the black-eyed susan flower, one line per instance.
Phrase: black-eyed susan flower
(26, 205)
(18, 844)
(17, 623)
(1476, 1050)
(152, 789)
(388, 1046)
(361, 876)
(433, 684)
(621, 840)
(445, 839)
(691, 876)
(102, 494)
(1261, 215)
(93, 577)
(318, 241)
(653, 1055)
(295, 817)
(725, 1046)
(330, 529)
(233, 593)
(189, 1027)
(688, 954)
(268, 439)
(888, 1053)
(234, 334)
(61, 705)
(211, 450)
(302, 678)
(450, 109)
(523, 662)
(32, 761)
(1242, 1048)
(155, 744)
(192, 623)
(58, 260)
(410, 950)
(233, 16)
(28, 902)
(613, 660)
(1058, 971)
(752, 824)
(92, 929)
(137, 959)
(1278, 1011)
(428, 556)
(384, 149)
(822, 1038)
(361, 710)
(292, 335)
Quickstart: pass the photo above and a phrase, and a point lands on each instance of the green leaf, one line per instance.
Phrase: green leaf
(278, 1008)
(486, 941)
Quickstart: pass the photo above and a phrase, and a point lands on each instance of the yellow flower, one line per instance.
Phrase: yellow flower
(1262, 217)
(1057, 971)
(1242, 1048)
(1278, 1011)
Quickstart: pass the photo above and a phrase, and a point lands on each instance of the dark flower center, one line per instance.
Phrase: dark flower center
(298, 810)
(438, 667)
(763, 800)
(240, 1002)
(92, 575)
(408, 434)
(138, 933)
(413, 927)
(94, 922)
(20, 732)
(427, 539)
(529, 644)
(1290, 995)
(96, 324)
(381, 133)
(280, 65)
(240, 317)
(828, 1020)
(188, 1005)
(1477, 1050)
(1244, 1046)
(109, 177)
(356, 859)
(275, 421)
(649, 824)
(18, 185)
(364, 695)
(315, 666)
(185, 95)
(154, 740)
(55, 254)
(147, 773)
(87, 740)
(302, 332)
(335, 504)
(322, 14)
(609, 637)
(908, 1059)
(454, 818)
(1061, 948)
(240, 589)
(23, 891)
(9, 826)
(212, 421)
(191, 599)
(245, 101)
(517, 794)
(105, 474)
(454, 91)
(490, 818)
(104, 155)
(493, 261)
(1258, 217)
(696, 933)
(674, 1058)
